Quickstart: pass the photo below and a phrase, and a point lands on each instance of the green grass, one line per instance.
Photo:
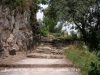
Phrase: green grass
(56, 34)
(59, 35)
(81, 57)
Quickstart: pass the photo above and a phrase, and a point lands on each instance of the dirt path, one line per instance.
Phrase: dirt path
(45, 60)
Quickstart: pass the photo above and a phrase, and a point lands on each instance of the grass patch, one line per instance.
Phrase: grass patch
(81, 57)
(56, 34)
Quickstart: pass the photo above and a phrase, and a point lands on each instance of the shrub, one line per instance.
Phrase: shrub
(81, 57)
(44, 32)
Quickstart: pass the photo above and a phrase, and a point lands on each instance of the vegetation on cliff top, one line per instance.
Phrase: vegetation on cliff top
(25, 3)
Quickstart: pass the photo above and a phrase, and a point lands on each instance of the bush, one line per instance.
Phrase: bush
(44, 32)
(81, 57)
(95, 68)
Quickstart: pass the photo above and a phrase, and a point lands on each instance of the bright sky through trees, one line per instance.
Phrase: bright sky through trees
(40, 14)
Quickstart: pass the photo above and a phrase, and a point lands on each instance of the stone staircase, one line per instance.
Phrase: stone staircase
(47, 51)
(45, 60)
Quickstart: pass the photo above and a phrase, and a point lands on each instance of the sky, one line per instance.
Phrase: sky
(39, 15)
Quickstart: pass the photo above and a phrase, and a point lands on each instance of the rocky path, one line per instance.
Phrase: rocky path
(47, 51)
(45, 60)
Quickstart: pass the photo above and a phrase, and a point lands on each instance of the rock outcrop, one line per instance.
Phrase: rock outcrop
(16, 31)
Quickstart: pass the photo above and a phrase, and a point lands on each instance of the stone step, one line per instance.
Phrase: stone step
(52, 49)
(48, 48)
(46, 44)
(44, 48)
(40, 71)
(48, 51)
(48, 56)
(36, 62)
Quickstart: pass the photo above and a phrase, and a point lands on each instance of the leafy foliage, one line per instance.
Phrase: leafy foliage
(58, 28)
(50, 21)
(42, 2)
(80, 56)
(25, 3)
(43, 29)
(37, 6)
(95, 69)
(73, 35)
(84, 13)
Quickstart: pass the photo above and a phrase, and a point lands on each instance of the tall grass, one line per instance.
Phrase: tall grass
(81, 57)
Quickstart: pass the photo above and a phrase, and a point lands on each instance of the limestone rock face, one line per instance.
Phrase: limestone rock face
(15, 29)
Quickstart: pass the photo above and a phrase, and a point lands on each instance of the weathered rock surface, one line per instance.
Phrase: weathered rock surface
(15, 30)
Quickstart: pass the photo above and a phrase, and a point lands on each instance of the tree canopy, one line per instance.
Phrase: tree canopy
(85, 14)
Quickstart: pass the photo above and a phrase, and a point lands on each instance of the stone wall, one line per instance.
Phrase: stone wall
(15, 30)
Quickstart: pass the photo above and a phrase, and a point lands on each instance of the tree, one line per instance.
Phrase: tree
(86, 16)
(58, 28)
(43, 29)
(49, 20)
